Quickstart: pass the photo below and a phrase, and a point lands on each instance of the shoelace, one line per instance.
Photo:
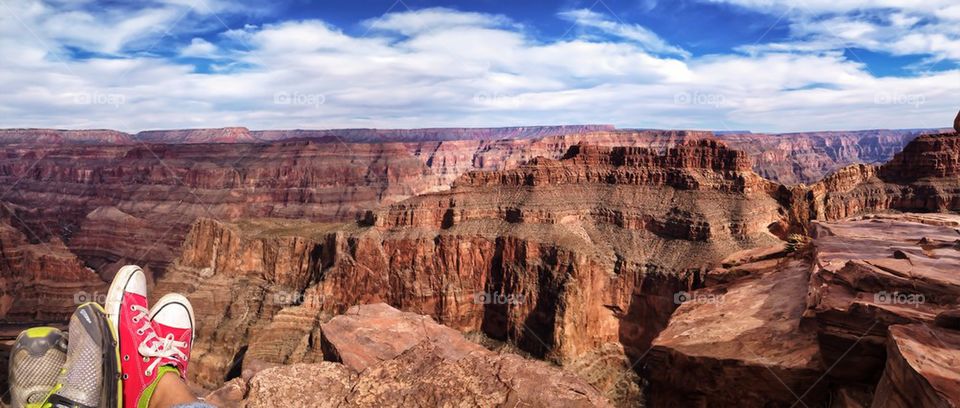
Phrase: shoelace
(161, 348)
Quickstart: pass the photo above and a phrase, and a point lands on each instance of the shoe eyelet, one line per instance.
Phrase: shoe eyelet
(136, 320)
(148, 373)
(140, 331)
(132, 309)
(146, 359)
(126, 358)
(125, 376)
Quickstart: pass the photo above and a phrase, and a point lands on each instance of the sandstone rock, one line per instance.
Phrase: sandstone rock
(40, 282)
(921, 178)
(356, 340)
(425, 375)
(558, 278)
(231, 394)
(858, 288)
(740, 344)
(956, 123)
(301, 385)
(921, 368)
(426, 365)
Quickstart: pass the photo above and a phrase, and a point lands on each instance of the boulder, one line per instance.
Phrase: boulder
(921, 369)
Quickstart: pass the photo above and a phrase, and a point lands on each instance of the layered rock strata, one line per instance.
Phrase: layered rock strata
(921, 178)
(499, 253)
(872, 274)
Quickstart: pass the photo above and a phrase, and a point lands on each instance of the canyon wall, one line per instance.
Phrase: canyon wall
(559, 257)
(787, 158)
(921, 178)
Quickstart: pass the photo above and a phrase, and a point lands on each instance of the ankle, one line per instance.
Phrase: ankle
(171, 391)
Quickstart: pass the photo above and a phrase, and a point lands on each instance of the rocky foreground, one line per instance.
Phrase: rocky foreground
(381, 357)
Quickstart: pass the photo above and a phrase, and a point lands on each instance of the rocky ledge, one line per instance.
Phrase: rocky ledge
(383, 357)
(740, 343)
(875, 272)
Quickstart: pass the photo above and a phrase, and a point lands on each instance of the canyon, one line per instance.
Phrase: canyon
(623, 267)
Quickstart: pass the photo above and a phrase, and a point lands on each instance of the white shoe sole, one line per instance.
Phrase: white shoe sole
(115, 294)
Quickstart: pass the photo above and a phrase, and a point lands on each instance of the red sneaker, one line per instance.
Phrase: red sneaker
(126, 307)
(174, 324)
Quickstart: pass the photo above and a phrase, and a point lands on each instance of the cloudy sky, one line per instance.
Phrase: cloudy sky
(762, 65)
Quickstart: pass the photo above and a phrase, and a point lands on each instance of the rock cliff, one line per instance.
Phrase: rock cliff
(561, 258)
(921, 178)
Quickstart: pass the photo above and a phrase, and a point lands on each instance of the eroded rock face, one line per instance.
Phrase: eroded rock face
(41, 282)
(921, 368)
(558, 278)
(877, 272)
(922, 178)
(394, 359)
(740, 343)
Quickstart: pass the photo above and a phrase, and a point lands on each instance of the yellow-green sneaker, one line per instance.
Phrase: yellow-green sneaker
(91, 374)
(35, 363)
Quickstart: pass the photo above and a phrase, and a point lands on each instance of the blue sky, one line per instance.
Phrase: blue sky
(762, 65)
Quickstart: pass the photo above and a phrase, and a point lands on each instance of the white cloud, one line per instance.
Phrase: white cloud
(928, 28)
(199, 48)
(441, 67)
(647, 39)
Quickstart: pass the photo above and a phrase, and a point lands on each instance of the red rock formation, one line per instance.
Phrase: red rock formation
(222, 135)
(740, 343)
(560, 278)
(48, 137)
(396, 359)
(922, 178)
(807, 157)
(921, 368)
(41, 282)
(874, 273)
